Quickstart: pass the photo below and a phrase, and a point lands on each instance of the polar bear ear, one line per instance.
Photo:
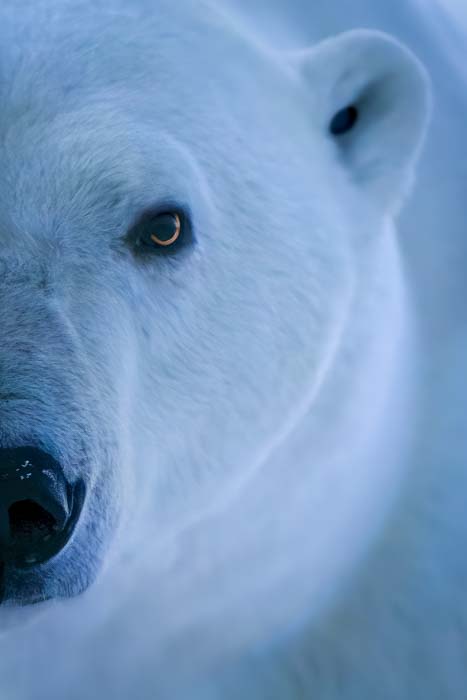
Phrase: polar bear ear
(372, 97)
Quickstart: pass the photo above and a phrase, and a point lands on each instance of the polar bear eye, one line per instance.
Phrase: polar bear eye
(161, 232)
(165, 229)
(343, 120)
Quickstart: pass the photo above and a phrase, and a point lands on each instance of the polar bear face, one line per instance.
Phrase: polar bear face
(186, 224)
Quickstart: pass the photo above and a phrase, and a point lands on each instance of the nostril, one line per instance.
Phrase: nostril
(31, 527)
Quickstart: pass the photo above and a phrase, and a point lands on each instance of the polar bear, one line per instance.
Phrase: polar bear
(202, 299)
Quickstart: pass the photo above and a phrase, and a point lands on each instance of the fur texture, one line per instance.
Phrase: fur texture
(230, 408)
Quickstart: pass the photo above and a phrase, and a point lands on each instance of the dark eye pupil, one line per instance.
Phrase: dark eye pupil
(161, 233)
(164, 228)
(343, 120)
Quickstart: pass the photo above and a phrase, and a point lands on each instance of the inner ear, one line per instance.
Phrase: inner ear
(377, 129)
(371, 97)
(344, 120)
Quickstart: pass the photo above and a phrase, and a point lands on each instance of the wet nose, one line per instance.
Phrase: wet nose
(39, 508)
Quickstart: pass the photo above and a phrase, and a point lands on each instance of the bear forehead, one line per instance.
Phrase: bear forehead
(186, 68)
(59, 48)
(93, 81)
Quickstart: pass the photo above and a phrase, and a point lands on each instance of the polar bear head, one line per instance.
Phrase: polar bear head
(195, 235)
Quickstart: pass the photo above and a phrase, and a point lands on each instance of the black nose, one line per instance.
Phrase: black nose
(38, 507)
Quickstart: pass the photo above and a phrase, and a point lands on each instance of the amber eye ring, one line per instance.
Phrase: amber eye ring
(173, 238)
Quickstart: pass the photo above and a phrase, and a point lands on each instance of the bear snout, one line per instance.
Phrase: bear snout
(39, 509)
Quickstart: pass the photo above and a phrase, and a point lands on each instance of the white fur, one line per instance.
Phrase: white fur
(233, 411)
